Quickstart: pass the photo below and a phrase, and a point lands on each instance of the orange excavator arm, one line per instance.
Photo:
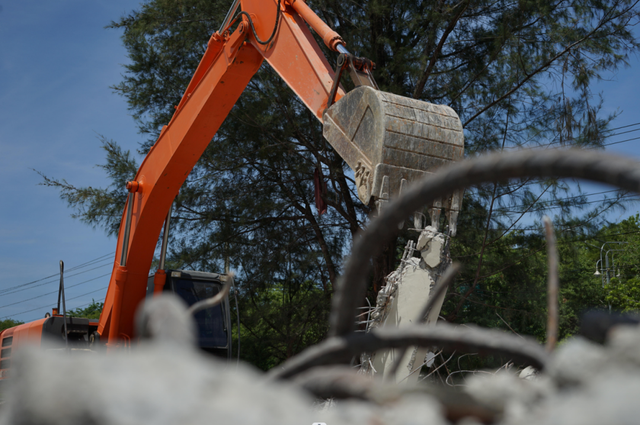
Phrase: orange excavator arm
(271, 30)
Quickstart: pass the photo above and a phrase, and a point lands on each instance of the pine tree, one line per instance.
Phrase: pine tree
(518, 74)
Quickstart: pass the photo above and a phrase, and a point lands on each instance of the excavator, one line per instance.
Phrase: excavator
(388, 141)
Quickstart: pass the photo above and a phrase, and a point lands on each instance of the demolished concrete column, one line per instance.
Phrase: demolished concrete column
(400, 301)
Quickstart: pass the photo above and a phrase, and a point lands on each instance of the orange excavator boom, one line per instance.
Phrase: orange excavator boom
(267, 30)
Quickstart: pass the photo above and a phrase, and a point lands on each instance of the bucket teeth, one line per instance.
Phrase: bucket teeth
(387, 139)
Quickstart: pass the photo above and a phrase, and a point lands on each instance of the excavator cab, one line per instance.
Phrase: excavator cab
(214, 323)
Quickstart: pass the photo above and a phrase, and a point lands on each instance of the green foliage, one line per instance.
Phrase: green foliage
(281, 321)
(9, 323)
(620, 264)
(511, 282)
(517, 73)
(624, 295)
(101, 207)
(91, 312)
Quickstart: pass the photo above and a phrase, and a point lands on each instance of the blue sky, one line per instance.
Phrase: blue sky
(56, 65)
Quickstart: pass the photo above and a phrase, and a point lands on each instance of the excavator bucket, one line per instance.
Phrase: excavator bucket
(390, 141)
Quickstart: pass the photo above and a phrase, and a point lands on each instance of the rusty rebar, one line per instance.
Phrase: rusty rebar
(552, 285)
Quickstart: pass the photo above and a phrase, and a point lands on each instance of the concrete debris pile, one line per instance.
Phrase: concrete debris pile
(163, 380)
(159, 383)
(585, 383)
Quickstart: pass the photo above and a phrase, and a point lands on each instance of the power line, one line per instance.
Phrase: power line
(552, 204)
(70, 309)
(624, 132)
(603, 145)
(48, 305)
(551, 144)
(54, 292)
(539, 229)
(86, 264)
(632, 197)
(563, 229)
(29, 283)
(621, 141)
(624, 126)
(4, 292)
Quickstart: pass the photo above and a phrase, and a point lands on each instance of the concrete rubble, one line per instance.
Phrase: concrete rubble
(166, 380)
(162, 380)
(586, 383)
(163, 384)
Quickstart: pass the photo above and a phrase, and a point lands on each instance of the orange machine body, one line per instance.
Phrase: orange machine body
(33, 334)
(21, 335)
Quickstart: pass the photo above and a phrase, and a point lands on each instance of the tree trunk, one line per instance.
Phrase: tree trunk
(384, 264)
